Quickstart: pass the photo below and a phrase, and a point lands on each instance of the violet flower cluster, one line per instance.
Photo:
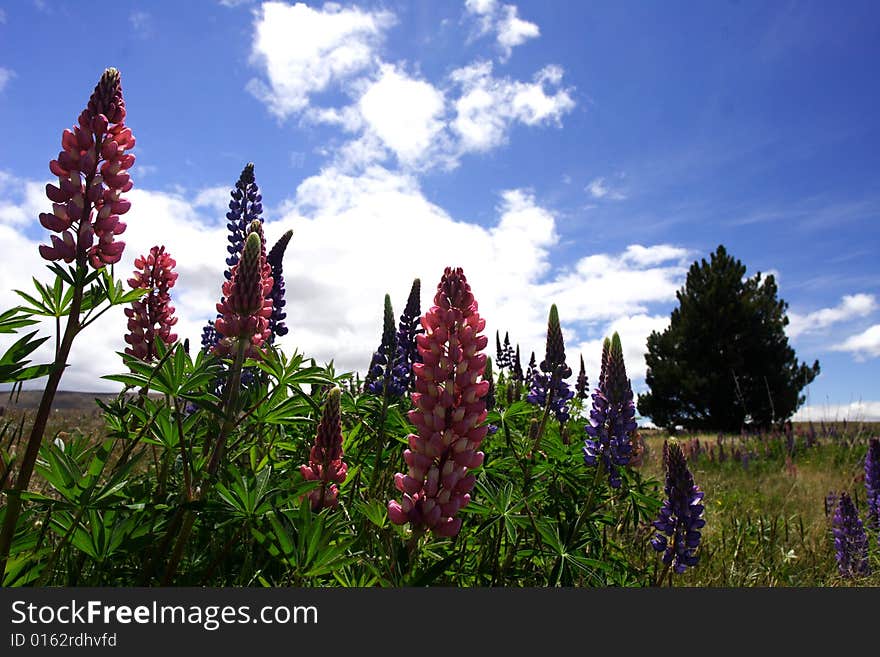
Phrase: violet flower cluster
(92, 172)
(612, 424)
(275, 259)
(531, 371)
(245, 307)
(152, 317)
(548, 387)
(325, 458)
(382, 378)
(246, 206)
(406, 351)
(449, 413)
(872, 482)
(681, 515)
(850, 539)
(582, 385)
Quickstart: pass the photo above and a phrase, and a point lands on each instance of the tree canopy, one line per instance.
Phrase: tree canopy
(724, 361)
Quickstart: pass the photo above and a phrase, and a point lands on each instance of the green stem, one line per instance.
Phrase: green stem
(13, 507)
(201, 491)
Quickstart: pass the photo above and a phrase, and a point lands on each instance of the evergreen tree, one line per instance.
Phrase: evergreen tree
(725, 357)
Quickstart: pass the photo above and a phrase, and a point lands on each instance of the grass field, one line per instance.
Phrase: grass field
(767, 521)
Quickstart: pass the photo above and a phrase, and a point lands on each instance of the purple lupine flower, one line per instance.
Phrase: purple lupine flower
(500, 353)
(381, 379)
(531, 372)
(508, 351)
(275, 258)
(612, 425)
(850, 539)
(325, 458)
(582, 384)
(210, 337)
(406, 351)
(549, 389)
(516, 367)
(872, 482)
(681, 516)
(246, 206)
(152, 317)
(449, 413)
(92, 172)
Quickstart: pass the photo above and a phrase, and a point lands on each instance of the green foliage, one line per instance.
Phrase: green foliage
(724, 361)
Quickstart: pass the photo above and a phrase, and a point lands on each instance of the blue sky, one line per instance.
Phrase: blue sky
(569, 152)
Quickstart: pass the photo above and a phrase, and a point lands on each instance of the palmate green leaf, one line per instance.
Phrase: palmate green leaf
(375, 511)
(15, 318)
(14, 356)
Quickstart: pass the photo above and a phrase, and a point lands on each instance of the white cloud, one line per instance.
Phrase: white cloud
(503, 20)
(860, 411)
(646, 256)
(357, 237)
(404, 113)
(21, 201)
(488, 105)
(215, 198)
(6, 75)
(862, 345)
(196, 241)
(634, 331)
(514, 31)
(303, 50)
(598, 188)
(851, 306)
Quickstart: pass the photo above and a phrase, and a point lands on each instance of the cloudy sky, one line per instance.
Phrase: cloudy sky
(575, 153)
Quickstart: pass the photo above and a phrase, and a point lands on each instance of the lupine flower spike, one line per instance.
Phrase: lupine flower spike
(407, 353)
(850, 539)
(380, 377)
(508, 352)
(325, 458)
(152, 317)
(517, 374)
(531, 372)
(681, 516)
(245, 207)
(92, 172)
(449, 413)
(872, 482)
(582, 384)
(549, 389)
(245, 308)
(275, 259)
(612, 427)
(500, 353)
(490, 394)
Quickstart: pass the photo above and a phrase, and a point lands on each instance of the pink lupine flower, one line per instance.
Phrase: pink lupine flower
(92, 172)
(449, 411)
(152, 317)
(325, 458)
(246, 304)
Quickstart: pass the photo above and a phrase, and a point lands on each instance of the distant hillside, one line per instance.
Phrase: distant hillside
(64, 400)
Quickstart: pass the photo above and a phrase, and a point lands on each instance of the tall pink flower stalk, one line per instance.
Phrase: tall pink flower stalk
(152, 317)
(325, 458)
(246, 305)
(449, 412)
(92, 172)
